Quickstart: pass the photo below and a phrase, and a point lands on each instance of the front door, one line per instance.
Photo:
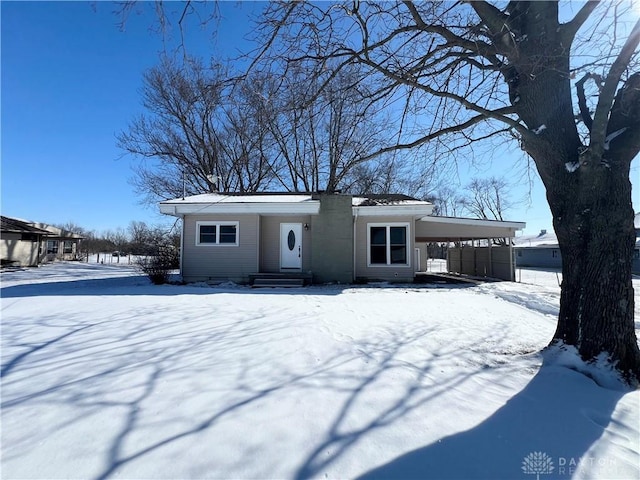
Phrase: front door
(290, 246)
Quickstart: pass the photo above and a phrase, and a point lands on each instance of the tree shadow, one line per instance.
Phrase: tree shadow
(138, 368)
(127, 369)
(418, 389)
(140, 285)
(559, 415)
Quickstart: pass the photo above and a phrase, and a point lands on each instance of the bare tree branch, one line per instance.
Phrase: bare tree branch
(570, 29)
(607, 95)
(582, 100)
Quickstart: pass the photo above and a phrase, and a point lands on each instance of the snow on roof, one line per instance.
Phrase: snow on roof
(390, 199)
(636, 221)
(357, 201)
(210, 198)
(282, 203)
(543, 239)
(9, 224)
(56, 231)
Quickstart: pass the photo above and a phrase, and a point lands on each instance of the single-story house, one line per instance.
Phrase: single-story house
(543, 251)
(320, 237)
(60, 244)
(20, 242)
(29, 243)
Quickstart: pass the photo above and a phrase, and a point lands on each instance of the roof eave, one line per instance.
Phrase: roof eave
(392, 210)
(475, 221)
(311, 207)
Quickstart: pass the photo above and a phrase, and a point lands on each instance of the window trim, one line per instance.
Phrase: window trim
(67, 247)
(55, 247)
(388, 226)
(217, 224)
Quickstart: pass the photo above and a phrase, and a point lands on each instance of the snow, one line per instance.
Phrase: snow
(107, 376)
(210, 198)
(358, 201)
(572, 166)
(613, 135)
(540, 129)
(543, 239)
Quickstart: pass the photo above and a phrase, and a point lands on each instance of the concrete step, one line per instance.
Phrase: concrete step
(278, 282)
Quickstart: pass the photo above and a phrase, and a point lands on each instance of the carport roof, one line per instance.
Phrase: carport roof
(451, 229)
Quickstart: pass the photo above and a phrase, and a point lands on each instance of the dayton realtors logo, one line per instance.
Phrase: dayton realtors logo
(537, 463)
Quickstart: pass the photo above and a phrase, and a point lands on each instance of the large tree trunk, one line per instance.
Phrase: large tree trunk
(589, 193)
(596, 237)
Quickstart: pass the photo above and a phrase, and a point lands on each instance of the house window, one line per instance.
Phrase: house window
(67, 247)
(52, 247)
(388, 244)
(554, 253)
(217, 233)
(519, 253)
(636, 254)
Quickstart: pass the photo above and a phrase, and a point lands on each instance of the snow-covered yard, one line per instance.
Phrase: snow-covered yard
(107, 376)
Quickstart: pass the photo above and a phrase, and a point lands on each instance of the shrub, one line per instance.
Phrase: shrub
(158, 266)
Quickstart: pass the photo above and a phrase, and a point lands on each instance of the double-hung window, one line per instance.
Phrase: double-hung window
(67, 247)
(217, 233)
(52, 247)
(388, 244)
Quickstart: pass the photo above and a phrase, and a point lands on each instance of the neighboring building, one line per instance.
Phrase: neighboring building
(20, 242)
(542, 250)
(60, 244)
(320, 237)
(28, 244)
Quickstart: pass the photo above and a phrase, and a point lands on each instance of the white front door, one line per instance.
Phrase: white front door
(290, 246)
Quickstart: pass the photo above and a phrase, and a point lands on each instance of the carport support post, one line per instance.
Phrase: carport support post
(490, 258)
(512, 263)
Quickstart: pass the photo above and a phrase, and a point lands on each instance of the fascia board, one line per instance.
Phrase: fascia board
(393, 210)
(474, 221)
(300, 208)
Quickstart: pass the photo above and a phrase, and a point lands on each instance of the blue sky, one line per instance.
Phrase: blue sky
(70, 82)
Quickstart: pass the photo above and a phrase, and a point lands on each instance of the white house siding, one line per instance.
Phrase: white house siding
(22, 252)
(399, 273)
(220, 262)
(270, 241)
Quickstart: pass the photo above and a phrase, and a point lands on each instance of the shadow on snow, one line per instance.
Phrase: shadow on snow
(561, 419)
(140, 285)
(126, 366)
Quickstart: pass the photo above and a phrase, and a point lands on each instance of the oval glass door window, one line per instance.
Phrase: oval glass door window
(291, 240)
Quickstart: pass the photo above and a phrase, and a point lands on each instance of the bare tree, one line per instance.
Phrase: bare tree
(205, 131)
(324, 136)
(448, 202)
(468, 71)
(487, 198)
(198, 135)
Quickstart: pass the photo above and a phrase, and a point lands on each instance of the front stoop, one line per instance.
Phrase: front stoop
(280, 280)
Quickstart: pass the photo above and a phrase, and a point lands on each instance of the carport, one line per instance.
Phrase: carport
(476, 260)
